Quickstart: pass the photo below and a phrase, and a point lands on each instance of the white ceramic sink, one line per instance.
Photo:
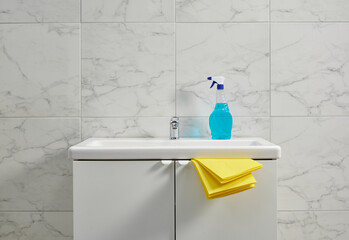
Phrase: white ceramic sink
(185, 148)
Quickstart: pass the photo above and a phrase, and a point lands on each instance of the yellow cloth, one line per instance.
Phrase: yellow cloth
(223, 177)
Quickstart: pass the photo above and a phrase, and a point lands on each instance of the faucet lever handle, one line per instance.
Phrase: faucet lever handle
(174, 119)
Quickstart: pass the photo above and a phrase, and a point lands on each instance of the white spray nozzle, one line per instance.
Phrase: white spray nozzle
(217, 79)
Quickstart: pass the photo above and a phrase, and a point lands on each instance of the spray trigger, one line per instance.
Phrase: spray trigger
(214, 82)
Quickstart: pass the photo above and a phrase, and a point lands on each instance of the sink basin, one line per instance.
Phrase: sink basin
(185, 148)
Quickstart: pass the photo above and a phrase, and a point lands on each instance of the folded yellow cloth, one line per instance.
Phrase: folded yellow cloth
(223, 177)
(226, 170)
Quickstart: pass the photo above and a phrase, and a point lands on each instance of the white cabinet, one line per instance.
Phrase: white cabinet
(248, 215)
(123, 200)
(135, 200)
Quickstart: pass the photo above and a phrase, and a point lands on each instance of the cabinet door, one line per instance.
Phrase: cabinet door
(123, 200)
(248, 215)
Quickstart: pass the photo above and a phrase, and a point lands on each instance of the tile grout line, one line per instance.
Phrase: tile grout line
(80, 11)
(242, 22)
(80, 64)
(304, 210)
(61, 117)
(37, 211)
(270, 122)
(312, 210)
(175, 60)
(70, 211)
(169, 116)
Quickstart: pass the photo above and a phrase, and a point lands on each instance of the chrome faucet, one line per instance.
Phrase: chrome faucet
(174, 128)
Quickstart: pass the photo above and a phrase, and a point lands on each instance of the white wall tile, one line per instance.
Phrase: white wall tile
(313, 225)
(237, 51)
(309, 10)
(35, 171)
(126, 127)
(39, 11)
(38, 226)
(314, 168)
(310, 69)
(128, 11)
(222, 10)
(128, 69)
(198, 127)
(40, 73)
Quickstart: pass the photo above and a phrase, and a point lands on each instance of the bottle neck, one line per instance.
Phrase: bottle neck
(220, 98)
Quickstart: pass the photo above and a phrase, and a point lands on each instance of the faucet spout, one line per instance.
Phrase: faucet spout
(174, 128)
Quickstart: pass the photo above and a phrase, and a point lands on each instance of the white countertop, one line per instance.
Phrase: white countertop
(184, 148)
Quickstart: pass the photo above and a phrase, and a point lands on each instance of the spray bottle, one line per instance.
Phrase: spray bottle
(221, 121)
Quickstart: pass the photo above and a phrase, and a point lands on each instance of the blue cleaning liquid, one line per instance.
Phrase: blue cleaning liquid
(221, 122)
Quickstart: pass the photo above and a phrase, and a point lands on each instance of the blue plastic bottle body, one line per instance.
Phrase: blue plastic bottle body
(221, 121)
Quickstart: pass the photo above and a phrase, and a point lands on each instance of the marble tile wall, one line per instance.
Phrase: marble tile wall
(75, 69)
